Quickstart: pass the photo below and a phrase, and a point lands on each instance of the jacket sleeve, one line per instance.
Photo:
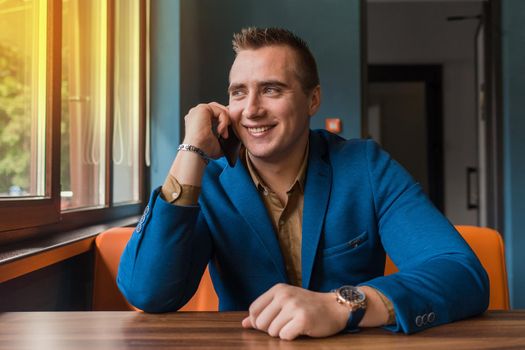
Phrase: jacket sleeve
(440, 279)
(161, 266)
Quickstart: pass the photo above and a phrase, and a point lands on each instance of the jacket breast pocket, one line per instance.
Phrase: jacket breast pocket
(350, 246)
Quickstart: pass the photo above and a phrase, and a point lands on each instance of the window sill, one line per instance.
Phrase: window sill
(21, 258)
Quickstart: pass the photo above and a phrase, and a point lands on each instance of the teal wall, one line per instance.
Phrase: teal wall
(165, 86)
(513, 57)
(192, 55)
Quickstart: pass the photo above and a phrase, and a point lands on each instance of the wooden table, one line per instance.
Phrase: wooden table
(211, 330)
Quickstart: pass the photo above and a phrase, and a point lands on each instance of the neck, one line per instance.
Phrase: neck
(280, 174)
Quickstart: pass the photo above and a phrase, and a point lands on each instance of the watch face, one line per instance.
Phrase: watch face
(352, 294)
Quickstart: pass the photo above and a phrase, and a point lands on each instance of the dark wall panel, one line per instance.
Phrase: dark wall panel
(65, 286)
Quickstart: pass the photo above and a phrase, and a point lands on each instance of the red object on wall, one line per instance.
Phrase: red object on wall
(333, 125)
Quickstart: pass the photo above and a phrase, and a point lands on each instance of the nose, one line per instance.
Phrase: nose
(252, 108)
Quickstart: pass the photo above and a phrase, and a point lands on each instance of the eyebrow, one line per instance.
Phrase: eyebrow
(273, 83)
(264, 83)
(235, 87)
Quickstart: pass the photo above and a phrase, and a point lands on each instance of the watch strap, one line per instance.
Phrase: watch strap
(352, 325)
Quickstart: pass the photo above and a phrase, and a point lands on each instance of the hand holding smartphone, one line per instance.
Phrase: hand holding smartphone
(230, 147)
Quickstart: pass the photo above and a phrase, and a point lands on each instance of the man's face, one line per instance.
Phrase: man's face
(268, 107)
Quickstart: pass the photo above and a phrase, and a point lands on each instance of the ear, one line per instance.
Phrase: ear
(315, 100)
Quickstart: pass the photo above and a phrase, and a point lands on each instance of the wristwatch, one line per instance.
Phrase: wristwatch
(354, 298)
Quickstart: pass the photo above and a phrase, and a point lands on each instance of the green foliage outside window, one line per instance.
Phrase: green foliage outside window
(16, 125)
(15, 122)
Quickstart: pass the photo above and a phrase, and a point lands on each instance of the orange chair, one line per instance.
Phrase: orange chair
(106, 295)
(488, 246)
(485, 242)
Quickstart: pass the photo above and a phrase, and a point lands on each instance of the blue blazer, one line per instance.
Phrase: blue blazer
(358, 203)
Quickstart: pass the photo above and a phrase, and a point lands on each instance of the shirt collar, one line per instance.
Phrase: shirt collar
(261, 186)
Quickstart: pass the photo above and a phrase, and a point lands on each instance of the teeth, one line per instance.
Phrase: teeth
(260, 129)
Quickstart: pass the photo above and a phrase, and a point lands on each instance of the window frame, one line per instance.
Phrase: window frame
(29, 217)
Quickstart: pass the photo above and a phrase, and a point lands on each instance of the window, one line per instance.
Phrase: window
(126, 103)
(72, 110)
(22, 98)
(83, 117)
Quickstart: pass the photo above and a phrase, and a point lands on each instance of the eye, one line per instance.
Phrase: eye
(236, 93)
(271, 90)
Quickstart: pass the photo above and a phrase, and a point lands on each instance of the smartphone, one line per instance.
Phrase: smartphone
(230, 146)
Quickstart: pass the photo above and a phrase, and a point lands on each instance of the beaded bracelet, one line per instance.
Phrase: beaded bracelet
(191, 148)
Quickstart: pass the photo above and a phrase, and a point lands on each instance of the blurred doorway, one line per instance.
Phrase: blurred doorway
(453, 148)
(405, 117)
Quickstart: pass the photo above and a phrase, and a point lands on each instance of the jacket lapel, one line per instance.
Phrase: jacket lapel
(243, 194)
(316, 196)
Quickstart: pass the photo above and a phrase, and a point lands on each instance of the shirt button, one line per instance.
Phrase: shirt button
(281, 222)
(175, 195)
(431, 317)
(419, 321)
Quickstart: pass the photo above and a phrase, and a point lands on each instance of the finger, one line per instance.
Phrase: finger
(246, 323)
(278, 323)
(223, 118)
(267, 315)
(291, 330)
(218, 105)
(259, 304)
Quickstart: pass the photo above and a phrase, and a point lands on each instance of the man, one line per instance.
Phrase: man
(296, 231)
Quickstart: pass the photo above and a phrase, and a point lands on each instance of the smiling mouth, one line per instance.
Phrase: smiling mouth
(259, 130)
